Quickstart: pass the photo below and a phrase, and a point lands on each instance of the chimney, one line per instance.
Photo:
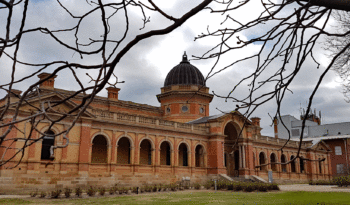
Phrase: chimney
(275, 122)
(113, 93)
(49, 83)
(256, 121)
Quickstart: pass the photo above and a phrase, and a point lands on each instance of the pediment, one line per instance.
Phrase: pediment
(47, 101)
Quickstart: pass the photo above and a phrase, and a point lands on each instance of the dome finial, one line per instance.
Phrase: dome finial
(184, 58)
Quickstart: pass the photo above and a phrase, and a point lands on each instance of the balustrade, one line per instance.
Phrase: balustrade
(105, 114)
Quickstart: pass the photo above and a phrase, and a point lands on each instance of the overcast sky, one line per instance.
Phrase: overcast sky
(146, 65)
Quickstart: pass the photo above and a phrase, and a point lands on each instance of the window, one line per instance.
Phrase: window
(48, 141)
(168, 110)
(201, 110)
(340, 168)
(337, 150)
(184, 108)
(295, 132)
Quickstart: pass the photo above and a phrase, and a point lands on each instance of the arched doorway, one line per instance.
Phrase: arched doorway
(165, 154)
(99, 150)
(199, 155)
(146, 152)
(232, 158)
(183, 158)
(273, 161)
(123, 151)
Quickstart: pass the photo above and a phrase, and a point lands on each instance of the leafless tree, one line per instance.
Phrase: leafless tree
(289, 32)
(286, 38)
(108, 47)
(334, 44)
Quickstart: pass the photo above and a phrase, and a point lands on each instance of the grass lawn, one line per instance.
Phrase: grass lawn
(198, 197)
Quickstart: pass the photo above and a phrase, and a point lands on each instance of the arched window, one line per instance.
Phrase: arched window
(183, 158)
(165, 154)
(292, 164)
(199, 156)
(273, 161)
(301, 165)
(262, 161)
(146, 152)
(123, 151)
(48, 141)
(283, 160)
(99, 150)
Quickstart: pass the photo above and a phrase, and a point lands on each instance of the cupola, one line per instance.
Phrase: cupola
(184, 96)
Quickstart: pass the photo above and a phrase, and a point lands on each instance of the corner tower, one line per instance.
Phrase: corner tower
(184, 96)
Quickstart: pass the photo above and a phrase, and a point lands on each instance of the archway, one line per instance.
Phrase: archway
(292, 164)
(232, 160)
(146, 152)
(183, 156)
(48, 141)
(262, 161)
(273, 161)
(124, 151)
(199, 155)
(99, 150)
(165, 154)
(283, 160)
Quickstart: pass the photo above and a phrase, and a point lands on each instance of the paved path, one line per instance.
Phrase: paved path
(317, 188)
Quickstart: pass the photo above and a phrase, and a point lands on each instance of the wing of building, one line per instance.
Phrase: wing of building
(131, 144)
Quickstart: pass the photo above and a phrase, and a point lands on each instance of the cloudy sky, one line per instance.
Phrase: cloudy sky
(146, 65)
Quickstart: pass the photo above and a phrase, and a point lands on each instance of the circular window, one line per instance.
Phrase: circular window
(184, 108)
(201, 110)
(168, 109)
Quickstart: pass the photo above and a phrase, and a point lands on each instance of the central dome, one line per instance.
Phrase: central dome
(184, 74)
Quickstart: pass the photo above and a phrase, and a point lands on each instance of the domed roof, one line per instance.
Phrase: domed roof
(184, 74)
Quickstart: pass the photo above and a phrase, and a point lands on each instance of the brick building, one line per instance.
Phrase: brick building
(128, 143)
(335, 136)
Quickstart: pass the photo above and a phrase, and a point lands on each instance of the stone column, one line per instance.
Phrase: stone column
(243, 156)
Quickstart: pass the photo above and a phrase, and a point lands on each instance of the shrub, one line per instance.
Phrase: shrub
(248, 187)
(262, 187)
(274, 186)
(55, 194)
(42, 194)
(102, 191)
(342, 181)
(208, 184)
(154, 188)
(67, 192)
(173, 187)
(186, 186)
(34, 193)
(197, 186)
(237, 187)
(124, 190)
(134, 190)
(112, 190)
(78, 192)
(91, 191)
